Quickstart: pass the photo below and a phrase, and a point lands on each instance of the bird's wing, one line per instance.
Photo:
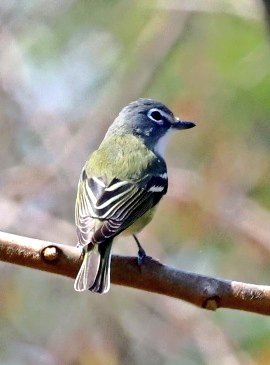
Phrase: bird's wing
(116, 206)
(84, 222)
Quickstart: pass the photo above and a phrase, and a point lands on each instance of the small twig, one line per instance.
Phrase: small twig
(266, 4)
(203, 291)
(248, 10)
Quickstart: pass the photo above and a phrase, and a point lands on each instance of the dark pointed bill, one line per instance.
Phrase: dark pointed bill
(182, 124)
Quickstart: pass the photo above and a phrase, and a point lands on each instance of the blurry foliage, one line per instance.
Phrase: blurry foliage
(57, 62)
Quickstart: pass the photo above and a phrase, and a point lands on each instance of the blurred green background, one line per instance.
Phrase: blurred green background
(66, 69)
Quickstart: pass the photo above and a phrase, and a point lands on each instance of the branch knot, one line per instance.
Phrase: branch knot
(50, 254)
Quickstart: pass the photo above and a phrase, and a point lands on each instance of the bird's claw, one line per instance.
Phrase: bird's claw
(141, 256)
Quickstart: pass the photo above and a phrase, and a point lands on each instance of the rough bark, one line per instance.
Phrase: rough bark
(206, 292)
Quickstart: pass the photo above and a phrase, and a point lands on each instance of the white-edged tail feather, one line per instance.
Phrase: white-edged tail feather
(88, 271)
(103, 277)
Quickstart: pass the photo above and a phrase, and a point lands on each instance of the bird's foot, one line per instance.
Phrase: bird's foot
(141, 256)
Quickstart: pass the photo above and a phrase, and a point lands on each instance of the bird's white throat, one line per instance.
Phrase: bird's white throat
(160, 147)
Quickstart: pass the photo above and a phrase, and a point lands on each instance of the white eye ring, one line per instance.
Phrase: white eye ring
(159, 117)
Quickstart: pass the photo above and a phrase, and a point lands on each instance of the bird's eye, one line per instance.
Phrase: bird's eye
(155, 115)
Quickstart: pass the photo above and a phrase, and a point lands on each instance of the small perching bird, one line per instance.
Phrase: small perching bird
(120, 185)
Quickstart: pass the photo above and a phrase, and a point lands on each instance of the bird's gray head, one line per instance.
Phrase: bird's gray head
(148, 119)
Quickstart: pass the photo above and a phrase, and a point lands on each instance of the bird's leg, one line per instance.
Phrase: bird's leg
(141, 253)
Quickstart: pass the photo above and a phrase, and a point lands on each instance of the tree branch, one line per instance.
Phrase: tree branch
(205, 292)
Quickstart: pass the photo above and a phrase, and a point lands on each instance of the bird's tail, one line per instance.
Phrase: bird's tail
(94, 273)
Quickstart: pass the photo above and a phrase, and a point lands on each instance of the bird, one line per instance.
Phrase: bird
(120, 186)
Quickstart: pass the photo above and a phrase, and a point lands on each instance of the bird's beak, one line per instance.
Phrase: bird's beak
(182, 124)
